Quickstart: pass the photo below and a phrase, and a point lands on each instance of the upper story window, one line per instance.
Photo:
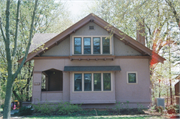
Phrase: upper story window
(77, 45)
(87, 45)
(106, 45)
(91, 45)
(96, 45)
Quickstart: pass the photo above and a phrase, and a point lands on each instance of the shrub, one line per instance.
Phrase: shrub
(159, 109)
(153, 107)
(118, 107)
(62, 108)
(44, 109)
(172, 109)
(25, 111)
(176, 108)
(67, 108)
(140, 108)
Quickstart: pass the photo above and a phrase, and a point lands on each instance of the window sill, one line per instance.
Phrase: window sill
(92, 57)
(92, 101)
(52, 91)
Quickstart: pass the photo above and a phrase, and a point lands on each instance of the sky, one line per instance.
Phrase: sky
(78, 8)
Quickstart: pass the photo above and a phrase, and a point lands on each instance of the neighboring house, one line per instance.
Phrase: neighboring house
(90, 65)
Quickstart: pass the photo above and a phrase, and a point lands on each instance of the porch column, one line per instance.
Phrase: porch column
(36, 92)
(66, 87)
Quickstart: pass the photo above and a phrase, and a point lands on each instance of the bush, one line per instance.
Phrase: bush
(67, 108)
(62, 109)
(172, 109)
(176, 108)
(159, 109)
(25, 111)
(44, 109)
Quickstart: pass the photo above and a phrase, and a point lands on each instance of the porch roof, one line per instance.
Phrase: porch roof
(92, 68)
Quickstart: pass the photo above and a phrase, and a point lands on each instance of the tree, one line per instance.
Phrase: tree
(11, 52)
(51, 16)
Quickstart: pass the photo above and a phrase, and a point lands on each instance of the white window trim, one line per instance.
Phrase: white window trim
(92, 84)
(136, 77)
(101, 48)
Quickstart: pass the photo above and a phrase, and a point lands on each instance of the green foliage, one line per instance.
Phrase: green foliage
(44, 109)
(140, 108)
(62, 109)
(159, 109)
(2, 106)
(172, 109)
(23, 111)
(153, 107)
(67, 108)
(118, 107)
(123, 108)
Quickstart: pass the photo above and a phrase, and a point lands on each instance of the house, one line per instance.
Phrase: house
(91, 63)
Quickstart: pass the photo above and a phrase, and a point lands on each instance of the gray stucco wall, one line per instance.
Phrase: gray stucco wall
(122, 91)
(84, 31)
(62, 49)
(120, 49)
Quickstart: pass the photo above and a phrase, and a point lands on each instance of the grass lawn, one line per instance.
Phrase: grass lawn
(94, 117)
(1, 109)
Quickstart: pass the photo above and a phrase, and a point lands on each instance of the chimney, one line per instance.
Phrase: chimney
(140, 32)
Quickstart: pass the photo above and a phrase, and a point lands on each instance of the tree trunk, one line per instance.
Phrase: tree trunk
(171, 99)
(28, 81)
(171, 96)
(7, 104)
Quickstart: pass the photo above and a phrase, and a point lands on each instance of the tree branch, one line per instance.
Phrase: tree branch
(7, 42)
(29, 43)
(174, 11)
(4, 38)
(17, 24)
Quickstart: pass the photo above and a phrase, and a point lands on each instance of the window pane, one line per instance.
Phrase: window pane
(77, 45)
(87, 45)
(96, 45)
(87, 82)
(106, 46)
(77, 82)
(97, 81)
(132, 77)
(107, 81)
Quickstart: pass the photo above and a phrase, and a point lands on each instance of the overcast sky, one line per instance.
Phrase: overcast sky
(78, 8)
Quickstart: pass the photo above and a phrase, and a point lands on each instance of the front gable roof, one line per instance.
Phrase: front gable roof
(49, 40)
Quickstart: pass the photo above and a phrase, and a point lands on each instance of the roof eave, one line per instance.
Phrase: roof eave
(101, 23)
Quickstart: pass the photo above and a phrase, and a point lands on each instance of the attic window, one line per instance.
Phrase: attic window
(91, 27)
